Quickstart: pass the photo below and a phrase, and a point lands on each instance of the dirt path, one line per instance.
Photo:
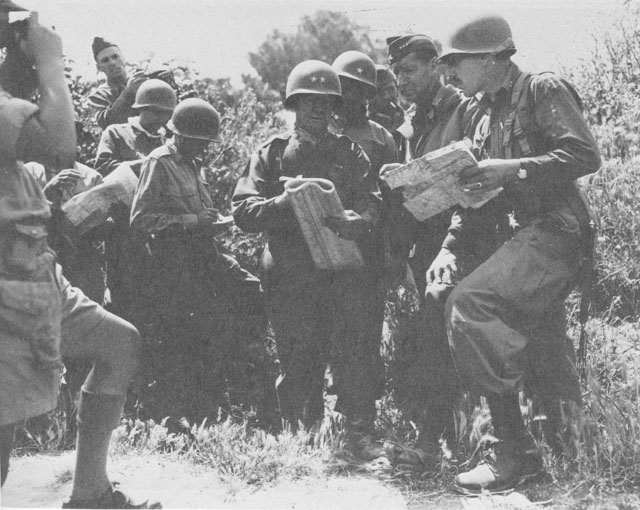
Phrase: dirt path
(43, 481)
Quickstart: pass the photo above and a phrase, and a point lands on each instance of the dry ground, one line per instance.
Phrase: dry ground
(43, 481)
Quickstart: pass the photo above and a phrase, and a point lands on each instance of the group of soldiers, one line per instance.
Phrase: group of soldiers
(492, 281)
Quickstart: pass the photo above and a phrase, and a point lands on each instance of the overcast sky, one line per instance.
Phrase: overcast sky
(217, 35)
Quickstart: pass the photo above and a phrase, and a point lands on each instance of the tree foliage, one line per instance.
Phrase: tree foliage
(609, 83)
(322, 36)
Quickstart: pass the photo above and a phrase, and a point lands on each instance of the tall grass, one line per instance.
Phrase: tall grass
(233, 449)
(613, 193)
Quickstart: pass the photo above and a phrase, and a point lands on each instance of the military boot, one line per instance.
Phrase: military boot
(506, 464)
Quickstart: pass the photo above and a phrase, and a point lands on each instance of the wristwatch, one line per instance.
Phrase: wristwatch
(522, 173)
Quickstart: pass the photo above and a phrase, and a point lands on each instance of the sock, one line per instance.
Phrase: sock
(98, 415)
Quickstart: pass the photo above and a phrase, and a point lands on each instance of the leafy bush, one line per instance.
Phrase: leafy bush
(609, 83)
(613, 193)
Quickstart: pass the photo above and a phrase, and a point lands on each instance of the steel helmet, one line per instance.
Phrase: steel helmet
(357, 66)
(155, 94)
(195, 118)
(485, 34)
(312, 77)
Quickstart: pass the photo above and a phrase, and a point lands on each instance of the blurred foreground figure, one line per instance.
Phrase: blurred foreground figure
(42, 317)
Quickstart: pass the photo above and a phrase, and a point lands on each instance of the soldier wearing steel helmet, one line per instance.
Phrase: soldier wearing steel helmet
(129, 143)
(308, 306)
(189, 286)
(358, 77)
(357, 74)
(135, 139)
(506, 319)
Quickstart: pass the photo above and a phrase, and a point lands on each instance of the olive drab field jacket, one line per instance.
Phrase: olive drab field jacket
(332, 157)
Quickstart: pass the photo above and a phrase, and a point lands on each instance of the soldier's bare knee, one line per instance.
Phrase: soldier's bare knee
(123, 349)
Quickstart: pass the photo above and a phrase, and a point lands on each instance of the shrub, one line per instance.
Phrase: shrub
(613, 193)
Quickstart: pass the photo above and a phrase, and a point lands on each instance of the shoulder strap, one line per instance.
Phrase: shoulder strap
(518, 123)
(513, 123)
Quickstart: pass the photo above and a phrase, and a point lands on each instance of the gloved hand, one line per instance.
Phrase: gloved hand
(351, 226)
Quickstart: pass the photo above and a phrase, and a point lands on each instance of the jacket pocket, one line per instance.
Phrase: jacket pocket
(32, 311)
(23, 248)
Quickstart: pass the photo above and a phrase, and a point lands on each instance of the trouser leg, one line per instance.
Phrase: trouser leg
(440, 382)
(491, 348)
(506, 417)
(238, 285)
(484, 312)
(356, 363)
(300, 315)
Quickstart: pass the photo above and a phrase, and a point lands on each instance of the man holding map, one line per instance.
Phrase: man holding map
(506, 319)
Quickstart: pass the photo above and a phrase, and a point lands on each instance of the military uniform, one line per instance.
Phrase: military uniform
(543, 257)
(122, 143)
(30, 301)
(102, 101)
(306, 306)
(186, 284)
(83, 257)
(432, 125)
(424, 379)
(125, 142)
(42, 317)
(506, 319)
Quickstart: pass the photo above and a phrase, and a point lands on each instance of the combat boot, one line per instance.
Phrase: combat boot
(506, 464)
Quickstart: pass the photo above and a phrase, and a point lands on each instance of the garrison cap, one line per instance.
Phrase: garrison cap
(100, 44)
(8, 5)
(401, 46)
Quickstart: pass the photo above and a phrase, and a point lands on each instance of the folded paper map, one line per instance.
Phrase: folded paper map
(91, 208)
(312, 201)
(430, 184)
